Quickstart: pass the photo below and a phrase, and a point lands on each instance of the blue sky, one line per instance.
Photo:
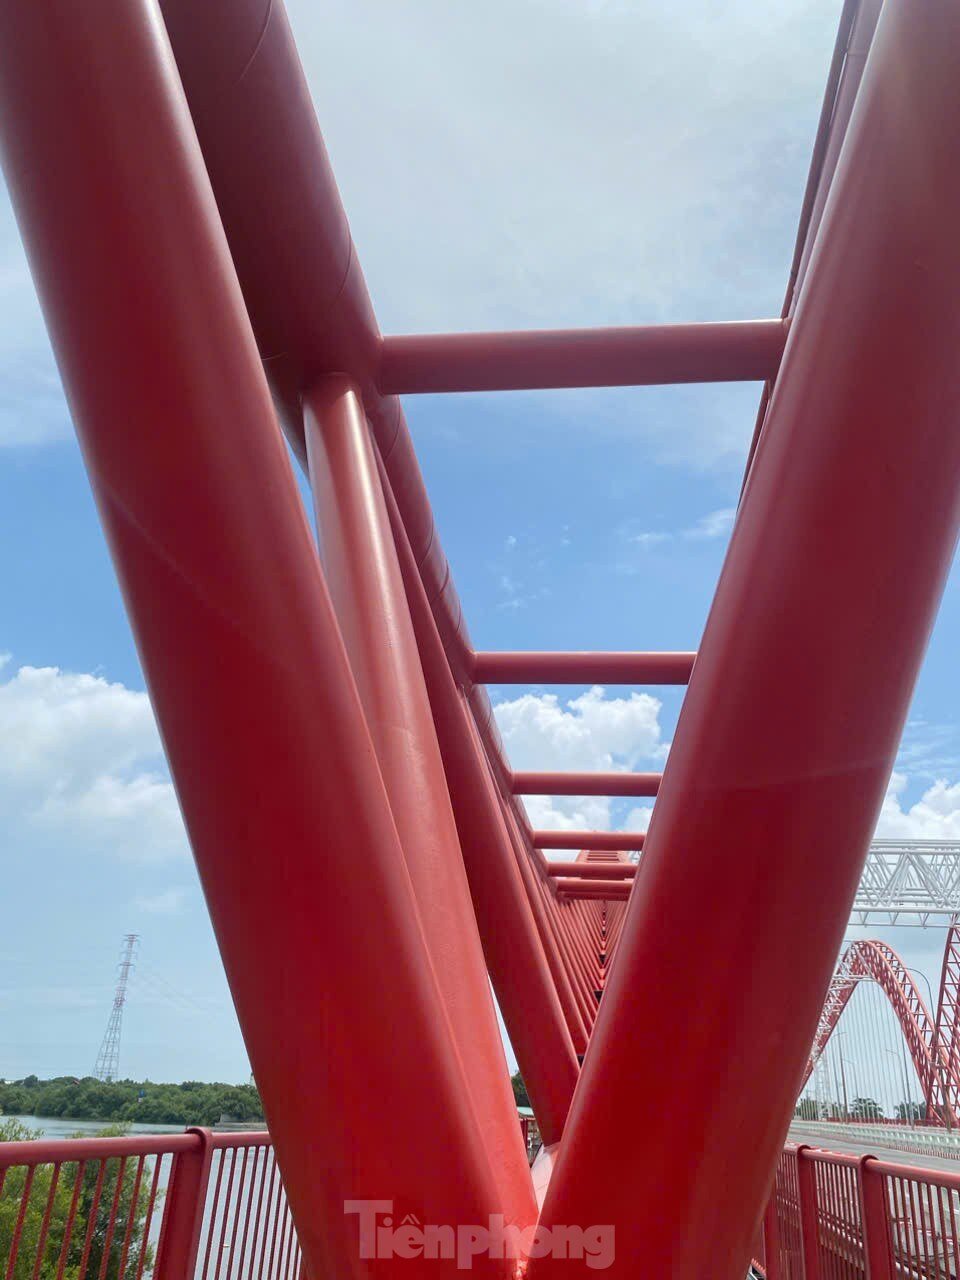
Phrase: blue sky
(609, 163)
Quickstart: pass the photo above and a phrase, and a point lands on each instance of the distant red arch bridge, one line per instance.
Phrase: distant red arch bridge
(930, 1035)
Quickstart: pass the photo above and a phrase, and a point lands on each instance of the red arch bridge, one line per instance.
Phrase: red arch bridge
(358, 830)
(929, 1035)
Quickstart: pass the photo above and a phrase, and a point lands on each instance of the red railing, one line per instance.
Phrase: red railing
(210, 1206)
(843, 1217)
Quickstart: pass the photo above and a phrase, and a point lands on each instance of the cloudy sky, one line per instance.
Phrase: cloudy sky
(520, 163)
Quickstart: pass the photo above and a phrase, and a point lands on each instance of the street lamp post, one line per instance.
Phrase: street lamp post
(907, 1104)
(843, 1079)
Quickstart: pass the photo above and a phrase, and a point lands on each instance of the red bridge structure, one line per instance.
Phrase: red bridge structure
(358, 831)
(930, 1036)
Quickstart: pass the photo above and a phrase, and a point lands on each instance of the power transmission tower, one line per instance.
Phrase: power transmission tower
(108, 1059)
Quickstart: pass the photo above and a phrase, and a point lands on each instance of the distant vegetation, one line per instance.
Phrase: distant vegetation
(130, 1101)
(860, 1109)
(519, 1090)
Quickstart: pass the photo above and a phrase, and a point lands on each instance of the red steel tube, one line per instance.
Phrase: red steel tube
(366, 586)
(875, 1219)
(809, 1215)
(740, 351)
(184, 1205)
(518, 966)
(540, 903)
(599, 841)
(592, 889)
(796, 704)
(288, 235)
(593, 870)
(56, 1150)
(573, 991)
(543, 1041)
(771, 1238)
(582, 668)
(586, 784)
(261, 721)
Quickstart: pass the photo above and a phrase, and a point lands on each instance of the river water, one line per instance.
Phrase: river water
(63, 1127)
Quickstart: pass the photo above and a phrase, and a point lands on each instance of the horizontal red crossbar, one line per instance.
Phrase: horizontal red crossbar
(586, 784)
(616, 891)
(582, 668)
(739, 351)
(593, 870)
(594, 841)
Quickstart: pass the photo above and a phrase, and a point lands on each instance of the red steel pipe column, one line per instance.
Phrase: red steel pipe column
(796, 702)
(366, 586)
(273, 763)
(519, 971)
(875, 1220)
(771, 1238)
(184, 1205)
(556, 961)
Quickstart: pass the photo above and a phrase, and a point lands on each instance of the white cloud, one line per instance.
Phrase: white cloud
(81, 762)
(935, 816)
(558, 185)
(638, 819)
(607, 164)
(716, 524)
(590, 732)
(594, 732)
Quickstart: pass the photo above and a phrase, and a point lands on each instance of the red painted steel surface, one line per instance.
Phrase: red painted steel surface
(224, 590)
(301, 278)
(582, 668)
(595, 871)
(797, 700)
(365, 738)
(947, 1030)
(517, 962)
(927, 1037)
(184, 1204)
(288, 234)
(844, 1217)
(838, 1217)
(745, 350)
(612, 840)
(576, 888)
(363, 574)
(126, 1207)
(586, 784)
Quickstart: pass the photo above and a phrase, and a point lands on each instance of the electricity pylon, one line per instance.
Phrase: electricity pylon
(108, 1059)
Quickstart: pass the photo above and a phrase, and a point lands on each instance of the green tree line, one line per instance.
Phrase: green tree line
(861, 1109)
(130, 1101)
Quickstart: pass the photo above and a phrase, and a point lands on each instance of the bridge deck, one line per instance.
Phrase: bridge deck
(846, 1145)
